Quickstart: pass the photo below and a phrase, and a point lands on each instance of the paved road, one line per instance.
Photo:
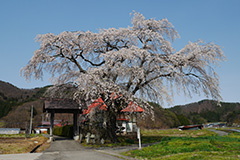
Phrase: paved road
(25, 156)
(63, 149)
(220, 133)
(68, 149)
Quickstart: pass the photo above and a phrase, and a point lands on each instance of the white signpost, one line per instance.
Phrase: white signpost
(139, 138)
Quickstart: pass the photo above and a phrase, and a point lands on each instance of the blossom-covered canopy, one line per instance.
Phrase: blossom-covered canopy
(137, 62)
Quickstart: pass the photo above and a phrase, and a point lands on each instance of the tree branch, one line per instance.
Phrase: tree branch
(139, 85)
(72, 59)
(93, 64)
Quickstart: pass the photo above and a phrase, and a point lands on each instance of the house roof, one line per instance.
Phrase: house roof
(132, 107)
(97, 103)
(122, 119)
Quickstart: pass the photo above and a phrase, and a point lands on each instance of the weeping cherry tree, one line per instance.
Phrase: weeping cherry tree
(137, 63)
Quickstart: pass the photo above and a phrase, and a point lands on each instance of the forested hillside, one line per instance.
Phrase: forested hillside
(209, 111)
(15, 107)
(11, 96)
(163, 118)
(15, 104)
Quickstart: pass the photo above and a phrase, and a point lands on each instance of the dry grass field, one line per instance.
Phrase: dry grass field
(12, 145)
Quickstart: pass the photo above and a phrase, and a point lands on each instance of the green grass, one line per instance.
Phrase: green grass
(126, 141)
(12, 135)
(152, 136)
(204, 155)
(18, 135)
(122, 141)
(1, 124)
(177, 133)
(201, 147)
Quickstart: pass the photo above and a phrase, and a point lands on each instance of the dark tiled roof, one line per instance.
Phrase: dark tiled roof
(62, 105)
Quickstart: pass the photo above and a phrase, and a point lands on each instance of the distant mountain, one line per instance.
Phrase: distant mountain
(209, 111)
(15, 106)
(11, 97)
(8, 91)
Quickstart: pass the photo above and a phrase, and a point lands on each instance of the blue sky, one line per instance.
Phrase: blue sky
(215, 21)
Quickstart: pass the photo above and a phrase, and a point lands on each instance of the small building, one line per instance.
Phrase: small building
(127, 120)
(42, 129)
(191, 127)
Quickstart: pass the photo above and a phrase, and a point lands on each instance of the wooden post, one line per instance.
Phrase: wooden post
(75, 126)
(51, 125)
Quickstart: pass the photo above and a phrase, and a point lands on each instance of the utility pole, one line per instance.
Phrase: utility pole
(30, 131)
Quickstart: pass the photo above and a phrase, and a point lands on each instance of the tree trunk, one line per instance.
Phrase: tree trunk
(111, 127)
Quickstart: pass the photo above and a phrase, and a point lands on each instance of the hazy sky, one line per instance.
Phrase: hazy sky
(215, 21)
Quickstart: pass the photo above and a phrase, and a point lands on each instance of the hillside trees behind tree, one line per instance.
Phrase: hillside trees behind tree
(163, 119)
(20, 116)
(11, 96)
(209, 111)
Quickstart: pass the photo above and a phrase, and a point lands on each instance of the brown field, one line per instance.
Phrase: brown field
(22, 145)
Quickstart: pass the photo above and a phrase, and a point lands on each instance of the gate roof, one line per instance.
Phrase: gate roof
(61, 106)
